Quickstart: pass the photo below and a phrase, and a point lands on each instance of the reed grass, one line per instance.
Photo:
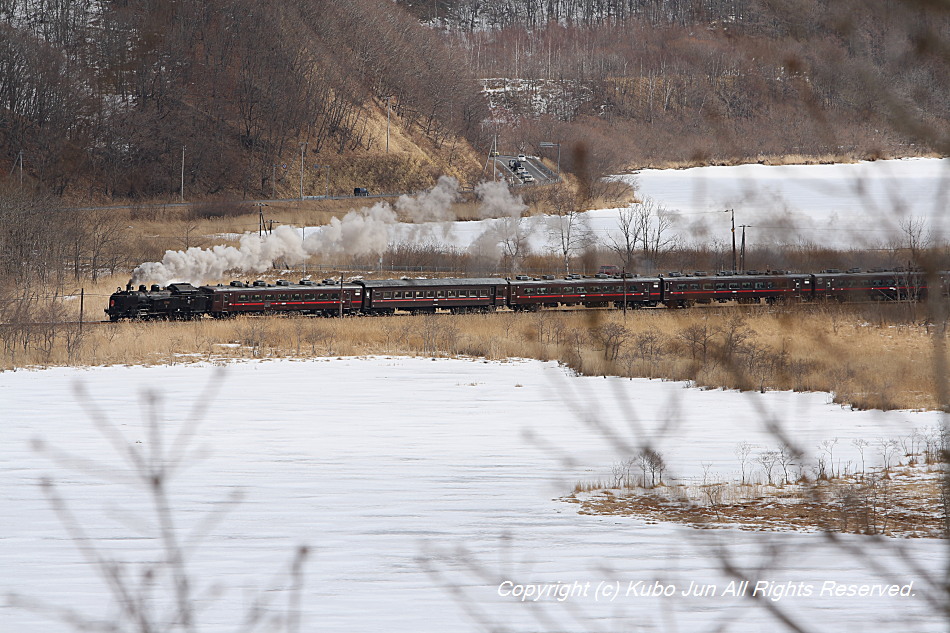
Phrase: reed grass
(869, 357)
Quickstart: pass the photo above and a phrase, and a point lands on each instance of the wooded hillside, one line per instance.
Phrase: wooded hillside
(712, 80)
(101, 96)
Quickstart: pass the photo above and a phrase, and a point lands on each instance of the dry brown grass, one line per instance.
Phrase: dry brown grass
(901, 505)
(868, 356)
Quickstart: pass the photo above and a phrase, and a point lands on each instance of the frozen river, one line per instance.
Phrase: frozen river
(426, 491)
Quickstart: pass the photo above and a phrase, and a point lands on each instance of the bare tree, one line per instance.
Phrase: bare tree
(624, 242)
(568, 228)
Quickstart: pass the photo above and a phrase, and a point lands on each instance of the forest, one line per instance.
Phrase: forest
(111, 100)
(100, 98)
(710, 81)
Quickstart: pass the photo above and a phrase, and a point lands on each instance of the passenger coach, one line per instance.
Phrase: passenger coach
(385, 296)
(527, 293)
(681, 290)
(307, 297)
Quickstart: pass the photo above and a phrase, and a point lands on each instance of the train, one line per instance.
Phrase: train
(184, 301)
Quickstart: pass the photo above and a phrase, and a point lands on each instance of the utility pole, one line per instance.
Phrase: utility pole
(623, 276)
(182, 190)
(494, 161)
(302, 147)
(260, 222)
(742, 250)
(388, 111)
(733, 212)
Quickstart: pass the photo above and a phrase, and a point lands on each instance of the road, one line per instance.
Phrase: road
(532, 165)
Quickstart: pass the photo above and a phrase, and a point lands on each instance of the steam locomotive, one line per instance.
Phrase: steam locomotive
(183, 301)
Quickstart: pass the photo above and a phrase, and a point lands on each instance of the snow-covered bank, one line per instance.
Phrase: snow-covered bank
(389, 466)
(859, 204)
(843, 206)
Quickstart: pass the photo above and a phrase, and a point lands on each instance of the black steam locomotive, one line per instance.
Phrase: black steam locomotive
(183, 301)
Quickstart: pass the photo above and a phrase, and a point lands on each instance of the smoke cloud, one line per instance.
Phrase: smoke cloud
(497, 201)
(434, 205)
(505, 236)
(361, 232)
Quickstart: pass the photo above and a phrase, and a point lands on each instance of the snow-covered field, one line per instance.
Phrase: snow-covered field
(859, 205)
(427, 491)
(842, 205)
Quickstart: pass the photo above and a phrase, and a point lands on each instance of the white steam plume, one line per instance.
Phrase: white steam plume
(359, 233)
(434, 205)
(505, 235)
(498, 202)
(365, 231)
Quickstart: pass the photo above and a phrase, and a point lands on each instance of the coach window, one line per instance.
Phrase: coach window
(681, 286)
(720, 286)
(568, 290)
(733, 286)
(451, 294)
(707, 286)
(242, 298)
(694, 286)
(440, 294)
(257, 297)
(483, 292)
(430, 294)
(388, 294)
(463, 293)
(397, 294)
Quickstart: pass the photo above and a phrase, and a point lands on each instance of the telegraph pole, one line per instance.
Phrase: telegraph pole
(733, 212)
(388, 111)
(182, 190)
(742, 250)
(623, 276)
(303, 146)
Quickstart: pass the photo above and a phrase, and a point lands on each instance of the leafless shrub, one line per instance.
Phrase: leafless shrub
(155, 589)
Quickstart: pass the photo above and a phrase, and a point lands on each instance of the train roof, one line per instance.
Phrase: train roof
(280, 284)
(425, 283)
(598, 279)
(728, 274)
